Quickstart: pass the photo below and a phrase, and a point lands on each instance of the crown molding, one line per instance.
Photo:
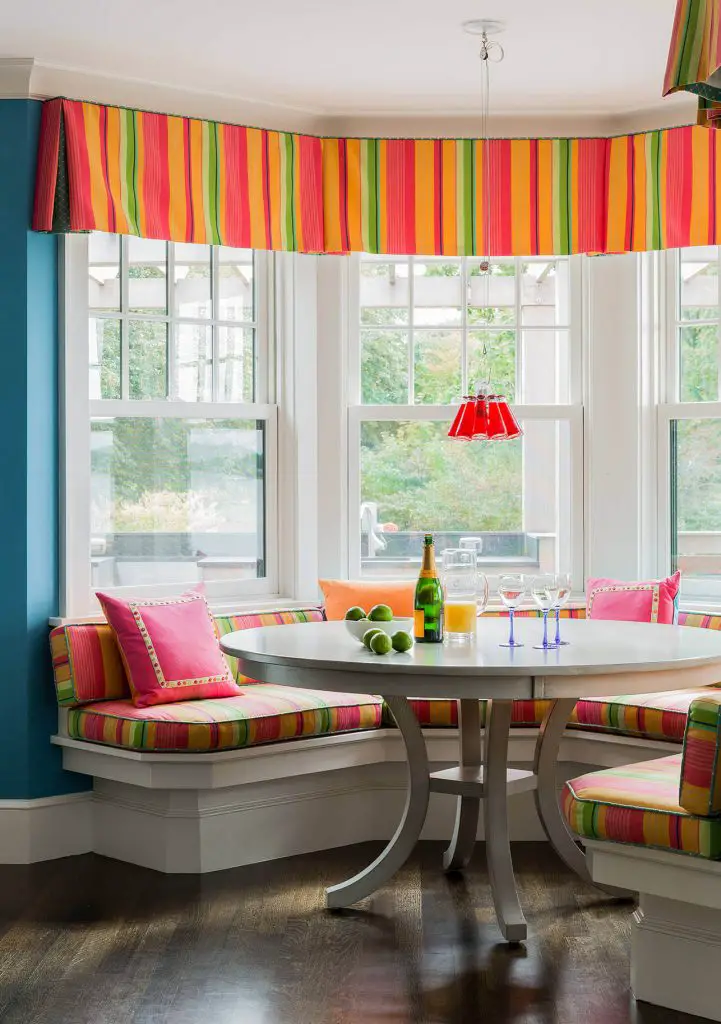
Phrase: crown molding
(15, 78)
(29, 78)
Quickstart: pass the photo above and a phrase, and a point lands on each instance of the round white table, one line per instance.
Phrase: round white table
(602, 658)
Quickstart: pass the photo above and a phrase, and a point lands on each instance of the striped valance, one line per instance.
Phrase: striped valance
(159, 176)
(694, 58)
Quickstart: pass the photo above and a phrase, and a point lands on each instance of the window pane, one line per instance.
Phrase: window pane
(415, 479)
(384, 293)
(236, 370)
(699, 290)
(176, 501)
(696, 498)
(492, 358)
(491, 293)
(104, 358)
(148, 359)
(545, 292)
(103, 272)
(236, 294)
(437, 293)
(147, 276)
(698, 363)
(192, 281)
(384, 367)
(437, 367)
(194, 362)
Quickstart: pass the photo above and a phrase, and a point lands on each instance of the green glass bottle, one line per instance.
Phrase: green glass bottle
(428, 607)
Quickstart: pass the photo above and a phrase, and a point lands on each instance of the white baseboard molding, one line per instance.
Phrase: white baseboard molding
(45, 829)
(676, 931)
(675, 954)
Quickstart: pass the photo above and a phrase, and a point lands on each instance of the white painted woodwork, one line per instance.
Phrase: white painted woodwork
(676, 930)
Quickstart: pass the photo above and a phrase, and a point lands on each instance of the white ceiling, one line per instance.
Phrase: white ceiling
(355, 57)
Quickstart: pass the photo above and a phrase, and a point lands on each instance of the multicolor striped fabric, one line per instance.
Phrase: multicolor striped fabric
(699, 620)
(231, 623)
(638, 804)
(159, 176)
(695, 54)
(653, 716)
(86, 664)
(700, 790)
(263, 714)
(138, 173)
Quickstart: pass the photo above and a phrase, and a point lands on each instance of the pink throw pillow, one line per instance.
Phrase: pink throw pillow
(645, 601)
(170, 649)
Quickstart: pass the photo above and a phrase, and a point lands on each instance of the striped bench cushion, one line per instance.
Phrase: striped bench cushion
(87, 665)
(263, 714)
(639, 804)
(657, 716)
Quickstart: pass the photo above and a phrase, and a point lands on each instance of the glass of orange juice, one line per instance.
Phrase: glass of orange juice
(465, 591)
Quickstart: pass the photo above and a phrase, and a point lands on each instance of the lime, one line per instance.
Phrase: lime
(402, 641)
(380, 613)
(381, 643)
(368, 636)
(355, 613)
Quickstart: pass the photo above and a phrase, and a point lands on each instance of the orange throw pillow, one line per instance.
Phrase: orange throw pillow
(340, 595)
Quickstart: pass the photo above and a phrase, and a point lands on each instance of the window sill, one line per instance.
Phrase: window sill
(224, 607)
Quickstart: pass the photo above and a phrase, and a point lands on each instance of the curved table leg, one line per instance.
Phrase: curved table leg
(495, 802)
(406, 836)
(547, 804)
(468, 808)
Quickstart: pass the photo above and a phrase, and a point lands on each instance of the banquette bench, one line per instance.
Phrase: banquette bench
(267, 754)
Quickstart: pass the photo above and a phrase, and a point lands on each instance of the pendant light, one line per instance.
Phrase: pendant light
(485, 415)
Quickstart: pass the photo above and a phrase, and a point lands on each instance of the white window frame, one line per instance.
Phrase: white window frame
(570, 556)
(77, 409)
(694, 592)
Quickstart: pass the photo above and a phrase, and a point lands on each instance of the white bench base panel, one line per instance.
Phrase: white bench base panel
(203, 812)
(676, 930)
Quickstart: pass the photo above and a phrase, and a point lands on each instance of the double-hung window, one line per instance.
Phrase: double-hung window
(170, 421)
(690, 422)
(425, 331)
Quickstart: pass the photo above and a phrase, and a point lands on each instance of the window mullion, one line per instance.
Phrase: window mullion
(171, 376)
(520, 390)
(464, 326)
(124, 328)
(411, 331)
(215, 316)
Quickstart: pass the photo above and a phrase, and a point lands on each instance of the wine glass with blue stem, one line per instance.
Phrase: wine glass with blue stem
(511, 590)
(564, 592)
(544, 591)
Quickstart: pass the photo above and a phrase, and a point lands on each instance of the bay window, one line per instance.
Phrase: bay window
(422, 333)
(170, 420)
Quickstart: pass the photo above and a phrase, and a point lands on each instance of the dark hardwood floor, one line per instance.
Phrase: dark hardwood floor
(93, 941)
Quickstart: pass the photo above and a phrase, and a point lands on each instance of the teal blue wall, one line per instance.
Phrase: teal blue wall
(29, 766)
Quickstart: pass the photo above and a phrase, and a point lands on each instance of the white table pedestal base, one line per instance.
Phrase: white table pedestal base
(478, 777)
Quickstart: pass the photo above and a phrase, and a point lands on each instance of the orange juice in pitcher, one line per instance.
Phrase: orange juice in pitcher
(465, 592)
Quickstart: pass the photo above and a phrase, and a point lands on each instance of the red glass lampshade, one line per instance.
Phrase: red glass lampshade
(484, 418)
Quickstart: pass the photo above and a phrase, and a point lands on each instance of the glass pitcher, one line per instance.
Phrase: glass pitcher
(466, 594)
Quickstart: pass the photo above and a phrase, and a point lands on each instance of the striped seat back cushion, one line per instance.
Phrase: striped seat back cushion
(230, 623)
(86, 659)
(700, 790)
(86, 664)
